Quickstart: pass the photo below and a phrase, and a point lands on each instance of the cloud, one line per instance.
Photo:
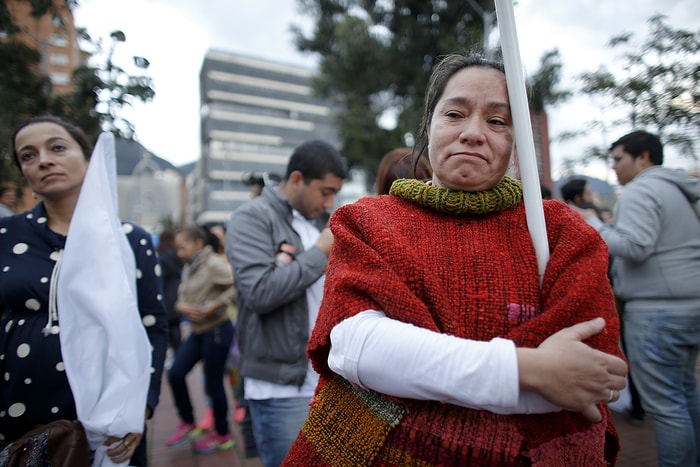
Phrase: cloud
(581, 31)
(175, 34)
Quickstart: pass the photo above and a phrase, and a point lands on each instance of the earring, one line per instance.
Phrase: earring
(33, 195)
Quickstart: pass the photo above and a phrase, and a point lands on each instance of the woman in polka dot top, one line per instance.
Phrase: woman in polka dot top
(53, 157)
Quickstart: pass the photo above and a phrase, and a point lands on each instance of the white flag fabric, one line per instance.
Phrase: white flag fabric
(106, 351)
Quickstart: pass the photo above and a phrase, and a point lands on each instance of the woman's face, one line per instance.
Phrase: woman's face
(187, 247)
(470, 137)
(51, 161)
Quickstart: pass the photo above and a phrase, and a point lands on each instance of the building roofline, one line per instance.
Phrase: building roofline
(257, 62)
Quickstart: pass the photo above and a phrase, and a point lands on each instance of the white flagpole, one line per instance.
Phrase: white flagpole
(523, 132)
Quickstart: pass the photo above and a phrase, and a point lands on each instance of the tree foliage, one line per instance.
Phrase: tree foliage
(101, 88)
(657, 83)
(376, 58)
(542, 85)
(114, 87)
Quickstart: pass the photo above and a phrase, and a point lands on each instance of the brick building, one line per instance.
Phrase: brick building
(56, 39)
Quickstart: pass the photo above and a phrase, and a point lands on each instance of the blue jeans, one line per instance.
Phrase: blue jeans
(276, 425)
(662, 348)
(212, 347)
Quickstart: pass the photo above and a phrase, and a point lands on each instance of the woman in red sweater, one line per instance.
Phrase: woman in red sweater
(435, 341)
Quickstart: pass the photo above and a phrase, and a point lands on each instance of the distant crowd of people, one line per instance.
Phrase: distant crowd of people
(411, 327)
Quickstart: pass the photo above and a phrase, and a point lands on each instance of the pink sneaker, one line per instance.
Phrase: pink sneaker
(184, 432)
(214, 442)
(207, 421)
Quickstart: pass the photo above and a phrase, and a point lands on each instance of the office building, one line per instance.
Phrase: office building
(254, 112)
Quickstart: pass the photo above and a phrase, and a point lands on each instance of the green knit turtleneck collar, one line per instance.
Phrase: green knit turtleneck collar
(507, 194)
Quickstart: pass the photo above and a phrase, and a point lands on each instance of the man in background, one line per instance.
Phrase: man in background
(278, 246)
(578, 192)
(655, 240)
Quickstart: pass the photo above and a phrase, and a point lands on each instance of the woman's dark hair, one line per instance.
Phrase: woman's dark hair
(166, 240)
(213, 239)
(442, 73)
(75, 132)
(203, 233)
(195, 232)
(398, 163)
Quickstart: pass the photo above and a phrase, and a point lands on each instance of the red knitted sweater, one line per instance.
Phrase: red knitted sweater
(473, 277)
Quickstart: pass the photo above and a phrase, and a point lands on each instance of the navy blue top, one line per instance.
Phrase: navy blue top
(34, 388)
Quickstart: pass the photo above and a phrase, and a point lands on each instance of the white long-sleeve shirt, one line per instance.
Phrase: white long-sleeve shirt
(399, 359)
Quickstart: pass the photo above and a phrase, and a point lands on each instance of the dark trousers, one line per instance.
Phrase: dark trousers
(174, 334)
(212, 348)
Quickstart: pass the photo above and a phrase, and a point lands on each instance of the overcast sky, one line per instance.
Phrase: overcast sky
(175, 34)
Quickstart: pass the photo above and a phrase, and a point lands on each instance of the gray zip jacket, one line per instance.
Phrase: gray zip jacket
(273, 319)
(655, 241)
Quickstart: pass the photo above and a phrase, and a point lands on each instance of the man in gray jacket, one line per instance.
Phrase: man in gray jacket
(278, 246)
(655, 240)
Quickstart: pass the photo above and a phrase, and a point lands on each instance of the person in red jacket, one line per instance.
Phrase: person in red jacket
(435, 343)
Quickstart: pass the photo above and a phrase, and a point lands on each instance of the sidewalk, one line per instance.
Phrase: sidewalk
(165, 422)
(638, 447)
(637, 442)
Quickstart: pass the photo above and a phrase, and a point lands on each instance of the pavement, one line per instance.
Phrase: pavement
(638, 446)
(165, 422)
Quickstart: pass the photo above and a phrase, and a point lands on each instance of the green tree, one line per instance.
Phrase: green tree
(376, 58)
(657, 83)
(112, 86)
(101, 88)
(543, 84)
